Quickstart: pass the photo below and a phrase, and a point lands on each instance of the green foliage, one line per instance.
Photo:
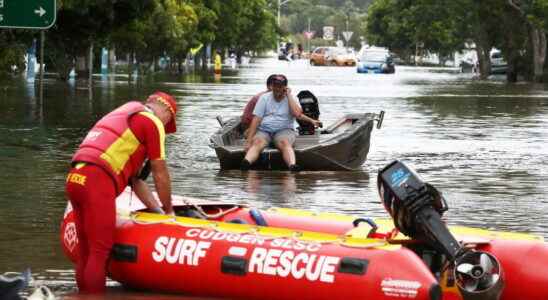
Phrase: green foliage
(149, 29)
(297, 14)
(13, 46)
(245, 25)
(443, 26)
(402, 25)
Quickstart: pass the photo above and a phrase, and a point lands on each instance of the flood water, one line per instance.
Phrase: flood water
(481, 143)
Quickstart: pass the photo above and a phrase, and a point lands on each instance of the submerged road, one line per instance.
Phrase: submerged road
(483, 144)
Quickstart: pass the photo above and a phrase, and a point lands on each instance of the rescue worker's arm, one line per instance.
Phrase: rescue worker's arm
(162, 182)
(251, 131)
(145, 195)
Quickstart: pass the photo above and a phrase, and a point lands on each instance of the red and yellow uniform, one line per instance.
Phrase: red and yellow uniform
(111, 154)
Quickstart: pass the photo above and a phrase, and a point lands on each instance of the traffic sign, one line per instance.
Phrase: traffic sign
(309, 34)
(328, 32)
(33, 14)
(347, 35)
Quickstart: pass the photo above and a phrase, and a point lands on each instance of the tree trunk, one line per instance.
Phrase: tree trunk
(81, 70)
(512, 71)
(129, 65)
(204, 59)
(538, 41)
(112, 60)
(90, 65)
(239, 54)
(484, 60)
(537, 37)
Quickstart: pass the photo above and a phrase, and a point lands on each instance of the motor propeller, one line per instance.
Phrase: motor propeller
(478, 272)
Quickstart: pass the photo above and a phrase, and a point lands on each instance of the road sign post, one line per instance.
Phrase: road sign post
(347, 35)
(31, 14)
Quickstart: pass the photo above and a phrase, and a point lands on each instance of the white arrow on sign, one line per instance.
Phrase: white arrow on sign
(347, 35)
(40, 11)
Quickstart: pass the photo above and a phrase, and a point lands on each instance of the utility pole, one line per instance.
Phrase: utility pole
(280, 3)
(308, 39)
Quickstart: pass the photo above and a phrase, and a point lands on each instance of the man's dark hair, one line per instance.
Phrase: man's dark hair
(279, 79)
(270, 79)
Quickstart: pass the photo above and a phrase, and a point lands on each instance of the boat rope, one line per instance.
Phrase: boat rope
(195, 206)
(207, 215)
(259, 234)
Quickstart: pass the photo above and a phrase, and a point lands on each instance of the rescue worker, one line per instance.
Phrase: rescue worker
(110, 158)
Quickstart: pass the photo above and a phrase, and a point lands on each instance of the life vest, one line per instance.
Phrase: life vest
(111, 145)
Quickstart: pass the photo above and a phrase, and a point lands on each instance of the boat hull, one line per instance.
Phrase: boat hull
(217, 263)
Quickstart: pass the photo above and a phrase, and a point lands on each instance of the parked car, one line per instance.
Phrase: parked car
(332, 56)
(376, 60)
(469, 62)
(498, 64)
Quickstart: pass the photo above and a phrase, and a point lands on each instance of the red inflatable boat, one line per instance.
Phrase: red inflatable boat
(233, 251)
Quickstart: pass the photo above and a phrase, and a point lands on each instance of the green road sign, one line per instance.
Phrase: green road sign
(33, 14)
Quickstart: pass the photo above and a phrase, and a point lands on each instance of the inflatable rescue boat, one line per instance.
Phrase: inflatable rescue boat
(214, 249)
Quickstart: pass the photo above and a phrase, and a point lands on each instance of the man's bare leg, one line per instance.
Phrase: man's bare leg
(288, 153)
(256, 148)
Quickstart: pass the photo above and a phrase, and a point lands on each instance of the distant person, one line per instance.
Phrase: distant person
(273, 121)
(289, 51)
(218, 63)
(110, 158)
(247, 115)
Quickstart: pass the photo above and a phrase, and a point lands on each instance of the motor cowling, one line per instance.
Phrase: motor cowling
(310, 106)
(415, 206)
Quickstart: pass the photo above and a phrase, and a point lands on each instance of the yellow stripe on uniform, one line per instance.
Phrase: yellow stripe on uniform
(117, 155)
(161, 131)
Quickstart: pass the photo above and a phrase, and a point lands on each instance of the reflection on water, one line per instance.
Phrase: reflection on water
(483, 144)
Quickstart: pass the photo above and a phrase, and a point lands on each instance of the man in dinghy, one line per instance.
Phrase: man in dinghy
(273, 121)
(110, 158)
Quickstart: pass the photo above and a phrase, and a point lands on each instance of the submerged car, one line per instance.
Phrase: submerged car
(376, 61)
(343, 57)
(318, 56)
(332, 56)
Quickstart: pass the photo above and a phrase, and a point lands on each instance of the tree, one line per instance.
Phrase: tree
(534, 14)
(80, 23)
(480, 21)
(245, 25)
(12, 55)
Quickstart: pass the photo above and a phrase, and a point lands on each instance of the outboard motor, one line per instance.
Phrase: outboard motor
(416, 208)
(309, 104)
